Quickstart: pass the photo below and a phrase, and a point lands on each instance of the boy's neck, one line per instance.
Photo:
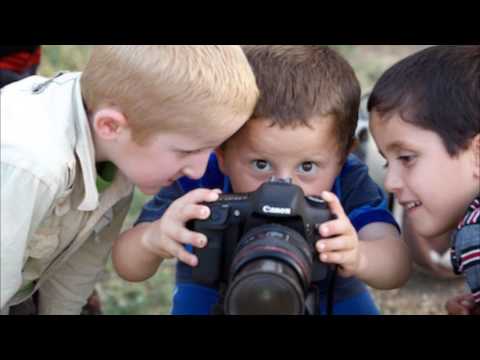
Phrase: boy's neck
(106, 172)
(100, 152)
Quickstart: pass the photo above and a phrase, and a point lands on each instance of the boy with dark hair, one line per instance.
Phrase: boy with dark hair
(425, 119)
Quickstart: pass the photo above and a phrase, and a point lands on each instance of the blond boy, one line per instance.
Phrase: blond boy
(74, 146)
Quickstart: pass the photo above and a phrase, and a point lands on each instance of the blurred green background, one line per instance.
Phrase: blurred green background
(154, 296)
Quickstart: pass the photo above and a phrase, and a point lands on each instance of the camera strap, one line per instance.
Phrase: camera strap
(332, 275)
(312, 301)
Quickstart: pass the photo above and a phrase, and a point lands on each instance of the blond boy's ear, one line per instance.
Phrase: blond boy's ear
(108, 123)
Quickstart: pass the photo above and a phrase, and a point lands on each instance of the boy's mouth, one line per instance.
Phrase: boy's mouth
(409, 205)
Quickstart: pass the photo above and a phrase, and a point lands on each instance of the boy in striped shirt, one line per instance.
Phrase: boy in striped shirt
(466, 258)
(425, 119)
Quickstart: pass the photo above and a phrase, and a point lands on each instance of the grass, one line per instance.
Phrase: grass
(63, 57)
(154, 296)
(150, 297)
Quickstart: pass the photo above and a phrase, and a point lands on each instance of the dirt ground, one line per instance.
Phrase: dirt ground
(422, 295)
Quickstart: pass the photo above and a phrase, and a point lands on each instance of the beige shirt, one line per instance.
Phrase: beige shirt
(56, 229)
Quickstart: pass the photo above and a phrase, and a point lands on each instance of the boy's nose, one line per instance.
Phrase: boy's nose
(197, 166)
(392, 182)
(284, 174)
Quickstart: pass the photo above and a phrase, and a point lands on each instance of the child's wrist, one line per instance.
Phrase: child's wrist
(146, 245)
(362, 263)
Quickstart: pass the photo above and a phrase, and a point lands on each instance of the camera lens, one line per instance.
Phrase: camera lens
(270, 272)
(265, 287)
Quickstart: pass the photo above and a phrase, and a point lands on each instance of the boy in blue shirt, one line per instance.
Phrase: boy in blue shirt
(302, 128)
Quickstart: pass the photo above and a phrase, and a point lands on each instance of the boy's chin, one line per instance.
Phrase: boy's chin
(429, 232)
(149, 190)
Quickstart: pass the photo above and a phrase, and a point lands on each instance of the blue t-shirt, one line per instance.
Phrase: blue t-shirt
(362, 199)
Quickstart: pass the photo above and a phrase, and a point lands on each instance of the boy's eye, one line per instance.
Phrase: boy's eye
(406, 159)
(190, 152)
(307, 167)
(186, 152)
(261, 165)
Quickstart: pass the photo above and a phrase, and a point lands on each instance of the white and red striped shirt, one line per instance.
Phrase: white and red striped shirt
(466, 249)
(473, 214)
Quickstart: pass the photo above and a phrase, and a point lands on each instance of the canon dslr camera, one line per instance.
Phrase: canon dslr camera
(261, 248)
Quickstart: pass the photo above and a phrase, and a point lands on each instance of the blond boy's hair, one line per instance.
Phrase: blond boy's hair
(170, 87)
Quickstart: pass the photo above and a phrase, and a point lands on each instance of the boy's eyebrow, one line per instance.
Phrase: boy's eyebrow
(318, 159)
(206, 146)
(397, 145)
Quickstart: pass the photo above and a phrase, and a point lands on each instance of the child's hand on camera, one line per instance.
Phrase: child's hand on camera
(166, 236)
(340, 240)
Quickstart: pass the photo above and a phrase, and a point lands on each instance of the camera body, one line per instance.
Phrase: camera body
(268, 233)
